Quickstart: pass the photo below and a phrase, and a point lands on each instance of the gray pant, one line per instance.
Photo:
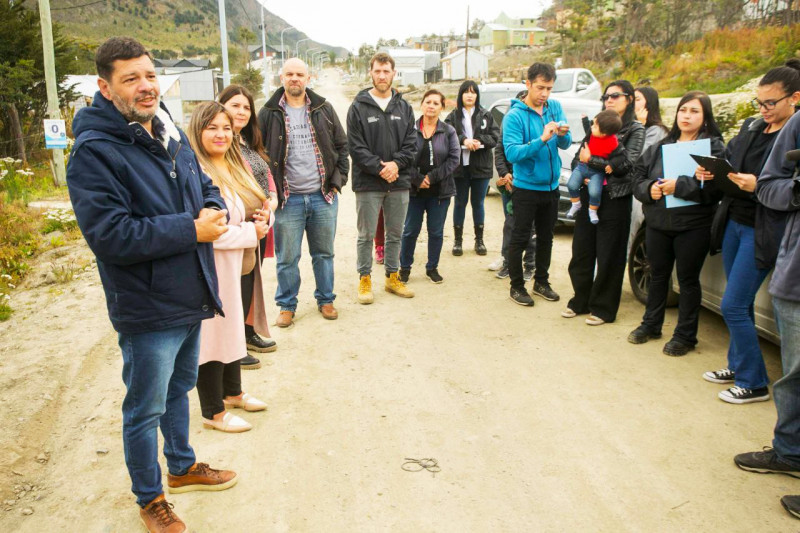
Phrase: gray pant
(368, 205)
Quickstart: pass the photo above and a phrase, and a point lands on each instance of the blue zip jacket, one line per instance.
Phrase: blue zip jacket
(537, 165)
(135, 203)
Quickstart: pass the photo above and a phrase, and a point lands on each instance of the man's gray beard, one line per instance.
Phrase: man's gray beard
(295, 91)
(130, 112)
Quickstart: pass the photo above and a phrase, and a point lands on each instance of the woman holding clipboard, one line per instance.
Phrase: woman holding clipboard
(749, 234)
(678, 210)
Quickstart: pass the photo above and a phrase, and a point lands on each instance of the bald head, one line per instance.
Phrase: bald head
(295, 77)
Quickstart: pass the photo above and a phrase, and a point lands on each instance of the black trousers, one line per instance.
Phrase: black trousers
(540, 209)
(248, 286)
(215, 380)
(687, 250)
(599, 252)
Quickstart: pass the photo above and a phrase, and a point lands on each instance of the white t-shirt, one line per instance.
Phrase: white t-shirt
(466, 121)
(382, 102)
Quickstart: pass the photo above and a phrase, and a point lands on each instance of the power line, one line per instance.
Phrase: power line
(78, 6)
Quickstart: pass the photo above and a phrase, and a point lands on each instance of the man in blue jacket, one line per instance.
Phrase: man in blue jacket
(533, 131)
(149, 214)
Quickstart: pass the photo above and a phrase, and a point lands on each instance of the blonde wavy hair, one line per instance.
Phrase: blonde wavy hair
(241, 182)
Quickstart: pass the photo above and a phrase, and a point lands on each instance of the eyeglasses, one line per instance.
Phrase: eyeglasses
(769, 105)
(613, 96)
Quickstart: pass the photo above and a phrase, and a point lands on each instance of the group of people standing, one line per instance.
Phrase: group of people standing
(180, 225)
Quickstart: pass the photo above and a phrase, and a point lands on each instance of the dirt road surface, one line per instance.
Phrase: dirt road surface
(539, 423)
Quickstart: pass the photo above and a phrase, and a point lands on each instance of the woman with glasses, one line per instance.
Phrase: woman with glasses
(678, 235)
(748, 234)
(599, 251)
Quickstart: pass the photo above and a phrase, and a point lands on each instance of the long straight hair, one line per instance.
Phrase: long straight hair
(468, 86)
(709, 127)
(250, 132)
(653, 107)
(241, 182)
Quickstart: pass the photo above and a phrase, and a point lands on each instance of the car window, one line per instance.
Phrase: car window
(584, 79)
(563, 82)
(499, 112)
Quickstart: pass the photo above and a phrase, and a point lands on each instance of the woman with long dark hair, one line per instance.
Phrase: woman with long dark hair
(648, 112)
(678, 235)
(599, 251)
(748, 234)
(239, 103)
(477, 135)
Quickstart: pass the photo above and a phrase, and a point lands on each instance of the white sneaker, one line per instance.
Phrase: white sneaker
(496, 265)
(568, 313)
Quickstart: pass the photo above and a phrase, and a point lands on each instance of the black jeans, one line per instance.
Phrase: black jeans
(215, 380)
(508, 227)
(599, 252)
(540, 209)
(687, 250)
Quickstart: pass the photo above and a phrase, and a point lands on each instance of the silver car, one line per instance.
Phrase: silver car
(576, 83)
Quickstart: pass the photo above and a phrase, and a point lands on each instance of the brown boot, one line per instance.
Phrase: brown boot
(158, 517)
(328, 311)
(201, 477)
(284, 319)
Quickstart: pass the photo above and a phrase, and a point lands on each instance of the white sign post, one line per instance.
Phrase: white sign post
(55, 134)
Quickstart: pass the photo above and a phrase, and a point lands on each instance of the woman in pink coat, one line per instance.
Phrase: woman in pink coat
(222, 343)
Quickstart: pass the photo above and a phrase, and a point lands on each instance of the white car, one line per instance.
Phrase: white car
(576, 83)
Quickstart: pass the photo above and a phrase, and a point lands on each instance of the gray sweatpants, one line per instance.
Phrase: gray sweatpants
(368, 205)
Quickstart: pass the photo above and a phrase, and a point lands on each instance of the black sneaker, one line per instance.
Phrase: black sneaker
(792, 504)
(521, 297)
(641, 335)
(677, 348)
(724, 375)
(545, 291)
(249, 363)
(765, 462)
(403, 274)
(527, 274)
(434, 276)
(742, 395)
(257, 344)
(502, 273)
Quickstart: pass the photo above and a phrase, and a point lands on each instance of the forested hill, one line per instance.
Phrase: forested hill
(172, 28)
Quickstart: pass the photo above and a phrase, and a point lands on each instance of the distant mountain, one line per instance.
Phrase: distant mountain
(177, 28)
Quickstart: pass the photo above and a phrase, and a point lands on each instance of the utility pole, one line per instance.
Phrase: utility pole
(223, 37)
(53, 109)
(264, 53)
(466, 48)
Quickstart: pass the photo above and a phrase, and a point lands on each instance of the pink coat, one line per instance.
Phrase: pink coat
(222, 338)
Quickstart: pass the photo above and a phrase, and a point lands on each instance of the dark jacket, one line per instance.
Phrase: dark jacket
(484, 130)
(446, 157)
(374, 135)
(620, 182)
(650, 168)
(328, 132)
(135, 203)
(500, 162)
(769, 223)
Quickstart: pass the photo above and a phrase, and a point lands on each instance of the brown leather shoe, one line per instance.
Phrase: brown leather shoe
(158, 517)
(201, 477)
(329, 312)
(284, 319)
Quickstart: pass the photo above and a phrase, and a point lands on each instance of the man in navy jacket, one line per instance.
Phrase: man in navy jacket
(149, 214)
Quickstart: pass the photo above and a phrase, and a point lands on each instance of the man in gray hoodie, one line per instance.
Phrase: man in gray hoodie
(779, 188)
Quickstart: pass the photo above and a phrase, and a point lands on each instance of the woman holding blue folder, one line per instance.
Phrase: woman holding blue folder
(678, 208)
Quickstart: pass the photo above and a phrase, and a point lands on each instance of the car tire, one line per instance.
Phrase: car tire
(639, 271)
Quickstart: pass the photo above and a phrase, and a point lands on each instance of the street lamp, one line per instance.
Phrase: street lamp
(283, 53)
(297, 46)
(315, 56)
(310, 50)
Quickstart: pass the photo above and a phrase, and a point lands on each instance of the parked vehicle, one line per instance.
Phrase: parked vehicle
(493, 92)
(577, 83)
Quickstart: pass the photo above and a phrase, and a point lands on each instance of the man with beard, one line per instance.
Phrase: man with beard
(382, 141)
(149, 214)
(307, 148)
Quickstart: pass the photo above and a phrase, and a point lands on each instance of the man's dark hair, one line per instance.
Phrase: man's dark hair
(608, 122)
(117, 48)
(381, 57)
(545, 71)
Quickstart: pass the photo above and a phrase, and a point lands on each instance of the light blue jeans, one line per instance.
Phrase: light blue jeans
(786, 391)
(311, 215)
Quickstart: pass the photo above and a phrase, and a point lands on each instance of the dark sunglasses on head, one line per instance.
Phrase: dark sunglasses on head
(613, 96)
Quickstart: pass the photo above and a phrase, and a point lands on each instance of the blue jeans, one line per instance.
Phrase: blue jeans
(312, 215)
(473, 190)
(786, 391)
(437, 214)
(159, 369)
(595, 187)
(744, 279)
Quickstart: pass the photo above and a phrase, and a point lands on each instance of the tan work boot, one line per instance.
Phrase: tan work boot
(365, 290)
(328, 311)
(158, 517)
(284, 319)
(201, 477)
(395, 286)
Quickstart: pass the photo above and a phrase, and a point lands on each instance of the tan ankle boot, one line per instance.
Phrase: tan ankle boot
(395, 286)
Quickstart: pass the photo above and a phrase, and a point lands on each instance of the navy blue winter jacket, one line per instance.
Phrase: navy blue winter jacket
(136, 202)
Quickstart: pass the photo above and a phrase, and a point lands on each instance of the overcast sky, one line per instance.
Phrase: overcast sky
(349, 23)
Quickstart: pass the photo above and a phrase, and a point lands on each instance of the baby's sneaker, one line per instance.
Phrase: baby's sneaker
(573, 210)
(593, 218)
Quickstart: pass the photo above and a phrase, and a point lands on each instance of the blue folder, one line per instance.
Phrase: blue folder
(677, 159)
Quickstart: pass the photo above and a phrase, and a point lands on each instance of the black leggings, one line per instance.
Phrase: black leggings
(216, 380)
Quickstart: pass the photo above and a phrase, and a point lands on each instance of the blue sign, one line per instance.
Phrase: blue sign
(55, 134)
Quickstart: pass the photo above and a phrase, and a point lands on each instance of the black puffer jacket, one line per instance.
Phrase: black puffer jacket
(446, 155)
(374, 135)
(484, 130)
(650, 168)
(620, 181)
(328, 132)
